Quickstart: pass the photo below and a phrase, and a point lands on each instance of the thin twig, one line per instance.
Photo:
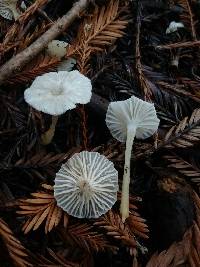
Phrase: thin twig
(192, 23)
(16, 63)
(178, 45)
(40, 12)
(139, 68)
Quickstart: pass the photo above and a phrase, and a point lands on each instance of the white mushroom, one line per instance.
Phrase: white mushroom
(57, 48)
(8, 9)
(56, 92)
(125, 120)
(174, 26)
(86, 185)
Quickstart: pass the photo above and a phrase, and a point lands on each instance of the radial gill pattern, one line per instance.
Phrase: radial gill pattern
(86, 185)
(135, 112)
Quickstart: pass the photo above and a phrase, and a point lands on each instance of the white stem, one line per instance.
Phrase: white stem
(124, 208)
(47, 137)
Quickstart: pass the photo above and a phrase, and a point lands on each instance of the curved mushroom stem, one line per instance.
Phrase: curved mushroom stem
(124, 207)
(47, 137)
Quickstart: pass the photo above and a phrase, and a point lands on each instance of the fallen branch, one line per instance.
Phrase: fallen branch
(179, 45)
(16, 63)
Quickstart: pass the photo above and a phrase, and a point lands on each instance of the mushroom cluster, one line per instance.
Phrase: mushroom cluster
(126, 120)
(86, 185)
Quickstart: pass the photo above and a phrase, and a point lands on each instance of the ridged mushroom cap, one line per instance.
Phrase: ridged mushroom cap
(56, 92)
(8, 9)
(134, 111)
(86, 185)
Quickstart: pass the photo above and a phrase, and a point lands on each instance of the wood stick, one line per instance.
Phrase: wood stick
(179, 45)
(16, 63)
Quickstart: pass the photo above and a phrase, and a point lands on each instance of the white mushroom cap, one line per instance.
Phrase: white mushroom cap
(134, 111)
(174, 26)
(8, 9)
(57, 48)
(56, 92)
(86, 185)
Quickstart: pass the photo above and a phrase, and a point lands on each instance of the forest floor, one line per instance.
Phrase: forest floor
(141, 48)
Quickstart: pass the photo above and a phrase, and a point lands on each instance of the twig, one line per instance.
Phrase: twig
(178, 45)
(192, 23)
(16, 63)
(33, 20)
(40, 12)
(139, 68)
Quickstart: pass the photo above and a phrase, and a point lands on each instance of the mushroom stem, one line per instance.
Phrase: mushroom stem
(47, 137)
(124, 208)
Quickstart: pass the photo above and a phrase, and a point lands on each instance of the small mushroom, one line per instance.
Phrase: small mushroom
(8, 9)
(56, 92)
(57, 48)
(174, 26)
(86, 185)
(126, 120)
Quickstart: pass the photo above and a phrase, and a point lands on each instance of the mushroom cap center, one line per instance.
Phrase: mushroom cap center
(57, 91)
(85, 188)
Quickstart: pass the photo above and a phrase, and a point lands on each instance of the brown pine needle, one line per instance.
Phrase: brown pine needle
(41, 208)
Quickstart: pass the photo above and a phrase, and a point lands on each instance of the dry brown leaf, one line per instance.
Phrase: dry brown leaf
(137, 226)
(11, 39)
(185, 134)
(114, 227)
(16, 250)
(85, 236)
(188, 169)
(96, 32)
(41, 207)
(39, 66)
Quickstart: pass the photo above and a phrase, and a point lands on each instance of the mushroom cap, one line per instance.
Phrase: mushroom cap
(86, 185)
(5, 12)
(134, 111)
(56, 92)
(7, 7)
(174, 26)
(57, 48)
